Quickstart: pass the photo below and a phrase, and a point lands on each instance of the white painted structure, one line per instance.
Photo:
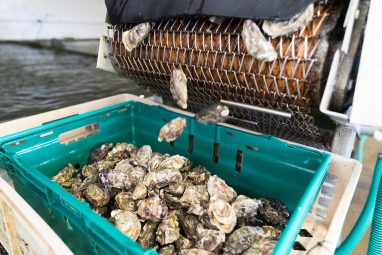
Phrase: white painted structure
(28, 20)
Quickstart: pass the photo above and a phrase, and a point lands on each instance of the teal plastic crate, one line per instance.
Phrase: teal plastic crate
(255, 165)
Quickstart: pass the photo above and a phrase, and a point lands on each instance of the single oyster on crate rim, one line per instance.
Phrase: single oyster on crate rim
(65, 174)
(139, 192)
(261, 245)
(194, 194)
(222, 215)
(218, 188)
(100, 152)
(172, 130)
(241, 239)
(167, 250)
(124, 201)
(299, 21)
(153, 209)
(213, 114)
(127, 222)
(163, 178)
(245, 207)
(168, 229)
(147, 238)
(96, 195)
(255, 42)
(210, 240)
(132, 38)
(178, 87)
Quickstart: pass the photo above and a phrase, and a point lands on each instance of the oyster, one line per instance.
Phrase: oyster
(183, 243)
(175, 162)
(114, 179)
(163, 178)
(103, 165)
(178, 88)
(210, 240)
(241, 239)
(127, 222)
(97, 195)
(139, 192)
(172, 130)
(89, 170)
(68, 183)
(168, 229)
(171, 201)
(198, 209)
(222, 215)
(123, 166)
(213, 114)
(245, 207)
(198, 175)
(167, 250)
(176, 188)
(273, 213)
(132, 38)
(65, 174)
(194, 194)
(271, 232)
(154, 162)
(261, 245)
(255, 42)
(152, 209)
(136, 175)
(120, 151)
(218, 188)
(100, 152)
(143, 155)
(124, 201)
(189, 225)
(75, 189)
(147, 236)
(195, 251)
(89, 180)
(299, 21)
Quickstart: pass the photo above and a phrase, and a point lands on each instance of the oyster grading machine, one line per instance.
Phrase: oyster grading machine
(240, 73)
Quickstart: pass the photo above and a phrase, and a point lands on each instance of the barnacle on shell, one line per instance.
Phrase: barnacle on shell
(127, 222)
(172, 130)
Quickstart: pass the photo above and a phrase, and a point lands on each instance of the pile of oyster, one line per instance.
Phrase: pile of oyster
(165, 203)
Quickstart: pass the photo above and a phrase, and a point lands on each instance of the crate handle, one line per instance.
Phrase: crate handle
(78, 133)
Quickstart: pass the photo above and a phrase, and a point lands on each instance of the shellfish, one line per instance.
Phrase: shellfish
(168, 229)
(172, 130)
(178, 87)
(218, 188)
(100, 152)
(127, 222)
(241, 239)
(153, 209)
(133, 37)
(222, 215)
(97, 195)
(65, 174)
(124, 201)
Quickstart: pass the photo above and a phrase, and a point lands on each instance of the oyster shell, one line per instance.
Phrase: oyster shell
(178, 88)
(255, 42)
(168, 229)
(167, 250)
(163, 178)
(195, 251)
(189, 225)
(97, 195)
(101, 210)
(210, 240)
(68, 183)
(273, 213)
(299, 21)
(139, 192)
(172, 130)
(213, 114)
(76, 188)
(89, 170)
(127, 222)
(245, 207)
(175, 162)
(103, 165)
(154, 162)
(218, 188)
(194, 194)
(123, 166)
(143, 155)
(171, 201)
(183, 243)
(114, 179)
(222, 215)
(271, 232)
(261, 246)
(124, 201)
(132, 38)
(100, 152)
(65, 174)
(198, 175)
(241, 239)
(198, 209)
(136, 175)
(176, 188)
(89, 180)
(147, 236)
(120, 151)
(152, 209)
